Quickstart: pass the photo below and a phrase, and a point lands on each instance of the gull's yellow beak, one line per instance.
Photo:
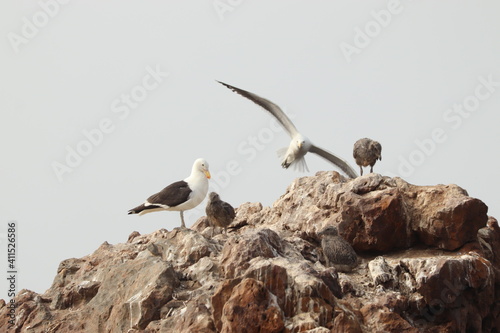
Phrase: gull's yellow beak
(207, 174)
(300, 145)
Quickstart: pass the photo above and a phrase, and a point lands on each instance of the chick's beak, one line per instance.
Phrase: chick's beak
(207, 174)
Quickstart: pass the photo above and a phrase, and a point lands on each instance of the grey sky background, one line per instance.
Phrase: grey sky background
(421, 77)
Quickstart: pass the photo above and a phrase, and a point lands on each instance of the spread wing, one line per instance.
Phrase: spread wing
(269, 106)
(342, 164)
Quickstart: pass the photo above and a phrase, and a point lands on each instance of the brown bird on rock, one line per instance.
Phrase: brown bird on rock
(219, 213)
(366, 152)
(337, 251)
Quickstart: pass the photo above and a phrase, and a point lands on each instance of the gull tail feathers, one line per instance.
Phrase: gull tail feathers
(137, 210)
(300, 165)
(143, 209)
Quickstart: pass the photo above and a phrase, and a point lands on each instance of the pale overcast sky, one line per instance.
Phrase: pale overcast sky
(106, 102)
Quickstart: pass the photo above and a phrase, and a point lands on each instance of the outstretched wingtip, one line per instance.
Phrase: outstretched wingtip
(224, 84)
(235, 89)
(339, 162)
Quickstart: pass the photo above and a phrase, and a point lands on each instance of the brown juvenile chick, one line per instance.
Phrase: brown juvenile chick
(219, 213)
(337, 251)
(366, 152)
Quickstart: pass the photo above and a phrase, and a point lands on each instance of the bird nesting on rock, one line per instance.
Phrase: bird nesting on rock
(366, 152)
(219, 213)
(337, 251)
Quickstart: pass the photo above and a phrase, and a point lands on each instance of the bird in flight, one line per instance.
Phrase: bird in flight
(300, 145)
(179, 196)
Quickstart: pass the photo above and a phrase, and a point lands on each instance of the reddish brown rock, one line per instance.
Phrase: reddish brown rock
(429, 263)
(238, 251)
(274, 277)
(132, 236)
(331, 280)
(378, 213)
(489, 238)
(375, 221)
(346, 322)
(451, 285)
(219, 299)
(251, 308)
(249, 213)
(196, 318)
(298, 288)
(381, 319)
(443, 216)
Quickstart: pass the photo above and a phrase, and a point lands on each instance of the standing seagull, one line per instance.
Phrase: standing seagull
(179, 196)
(337, 251)
(300, 145)
(219, 213)
(366, 152)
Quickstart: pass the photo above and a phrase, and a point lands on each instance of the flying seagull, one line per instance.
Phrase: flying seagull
(179, 196)
(300, 145)
(366, 152)
(219, 213)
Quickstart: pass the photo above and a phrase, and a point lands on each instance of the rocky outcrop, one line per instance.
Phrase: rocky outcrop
(430, 262)
(376, 213)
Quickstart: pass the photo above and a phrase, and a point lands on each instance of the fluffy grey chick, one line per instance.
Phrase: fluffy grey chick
(337, 251)
(219, 213)
(366, 152)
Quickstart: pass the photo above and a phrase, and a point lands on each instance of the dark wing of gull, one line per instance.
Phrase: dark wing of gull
(269, 106)
(342, 164)
(172, 195)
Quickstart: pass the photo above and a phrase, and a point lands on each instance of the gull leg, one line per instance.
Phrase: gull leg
(183, 225)
(361, 170)
(371, 168)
